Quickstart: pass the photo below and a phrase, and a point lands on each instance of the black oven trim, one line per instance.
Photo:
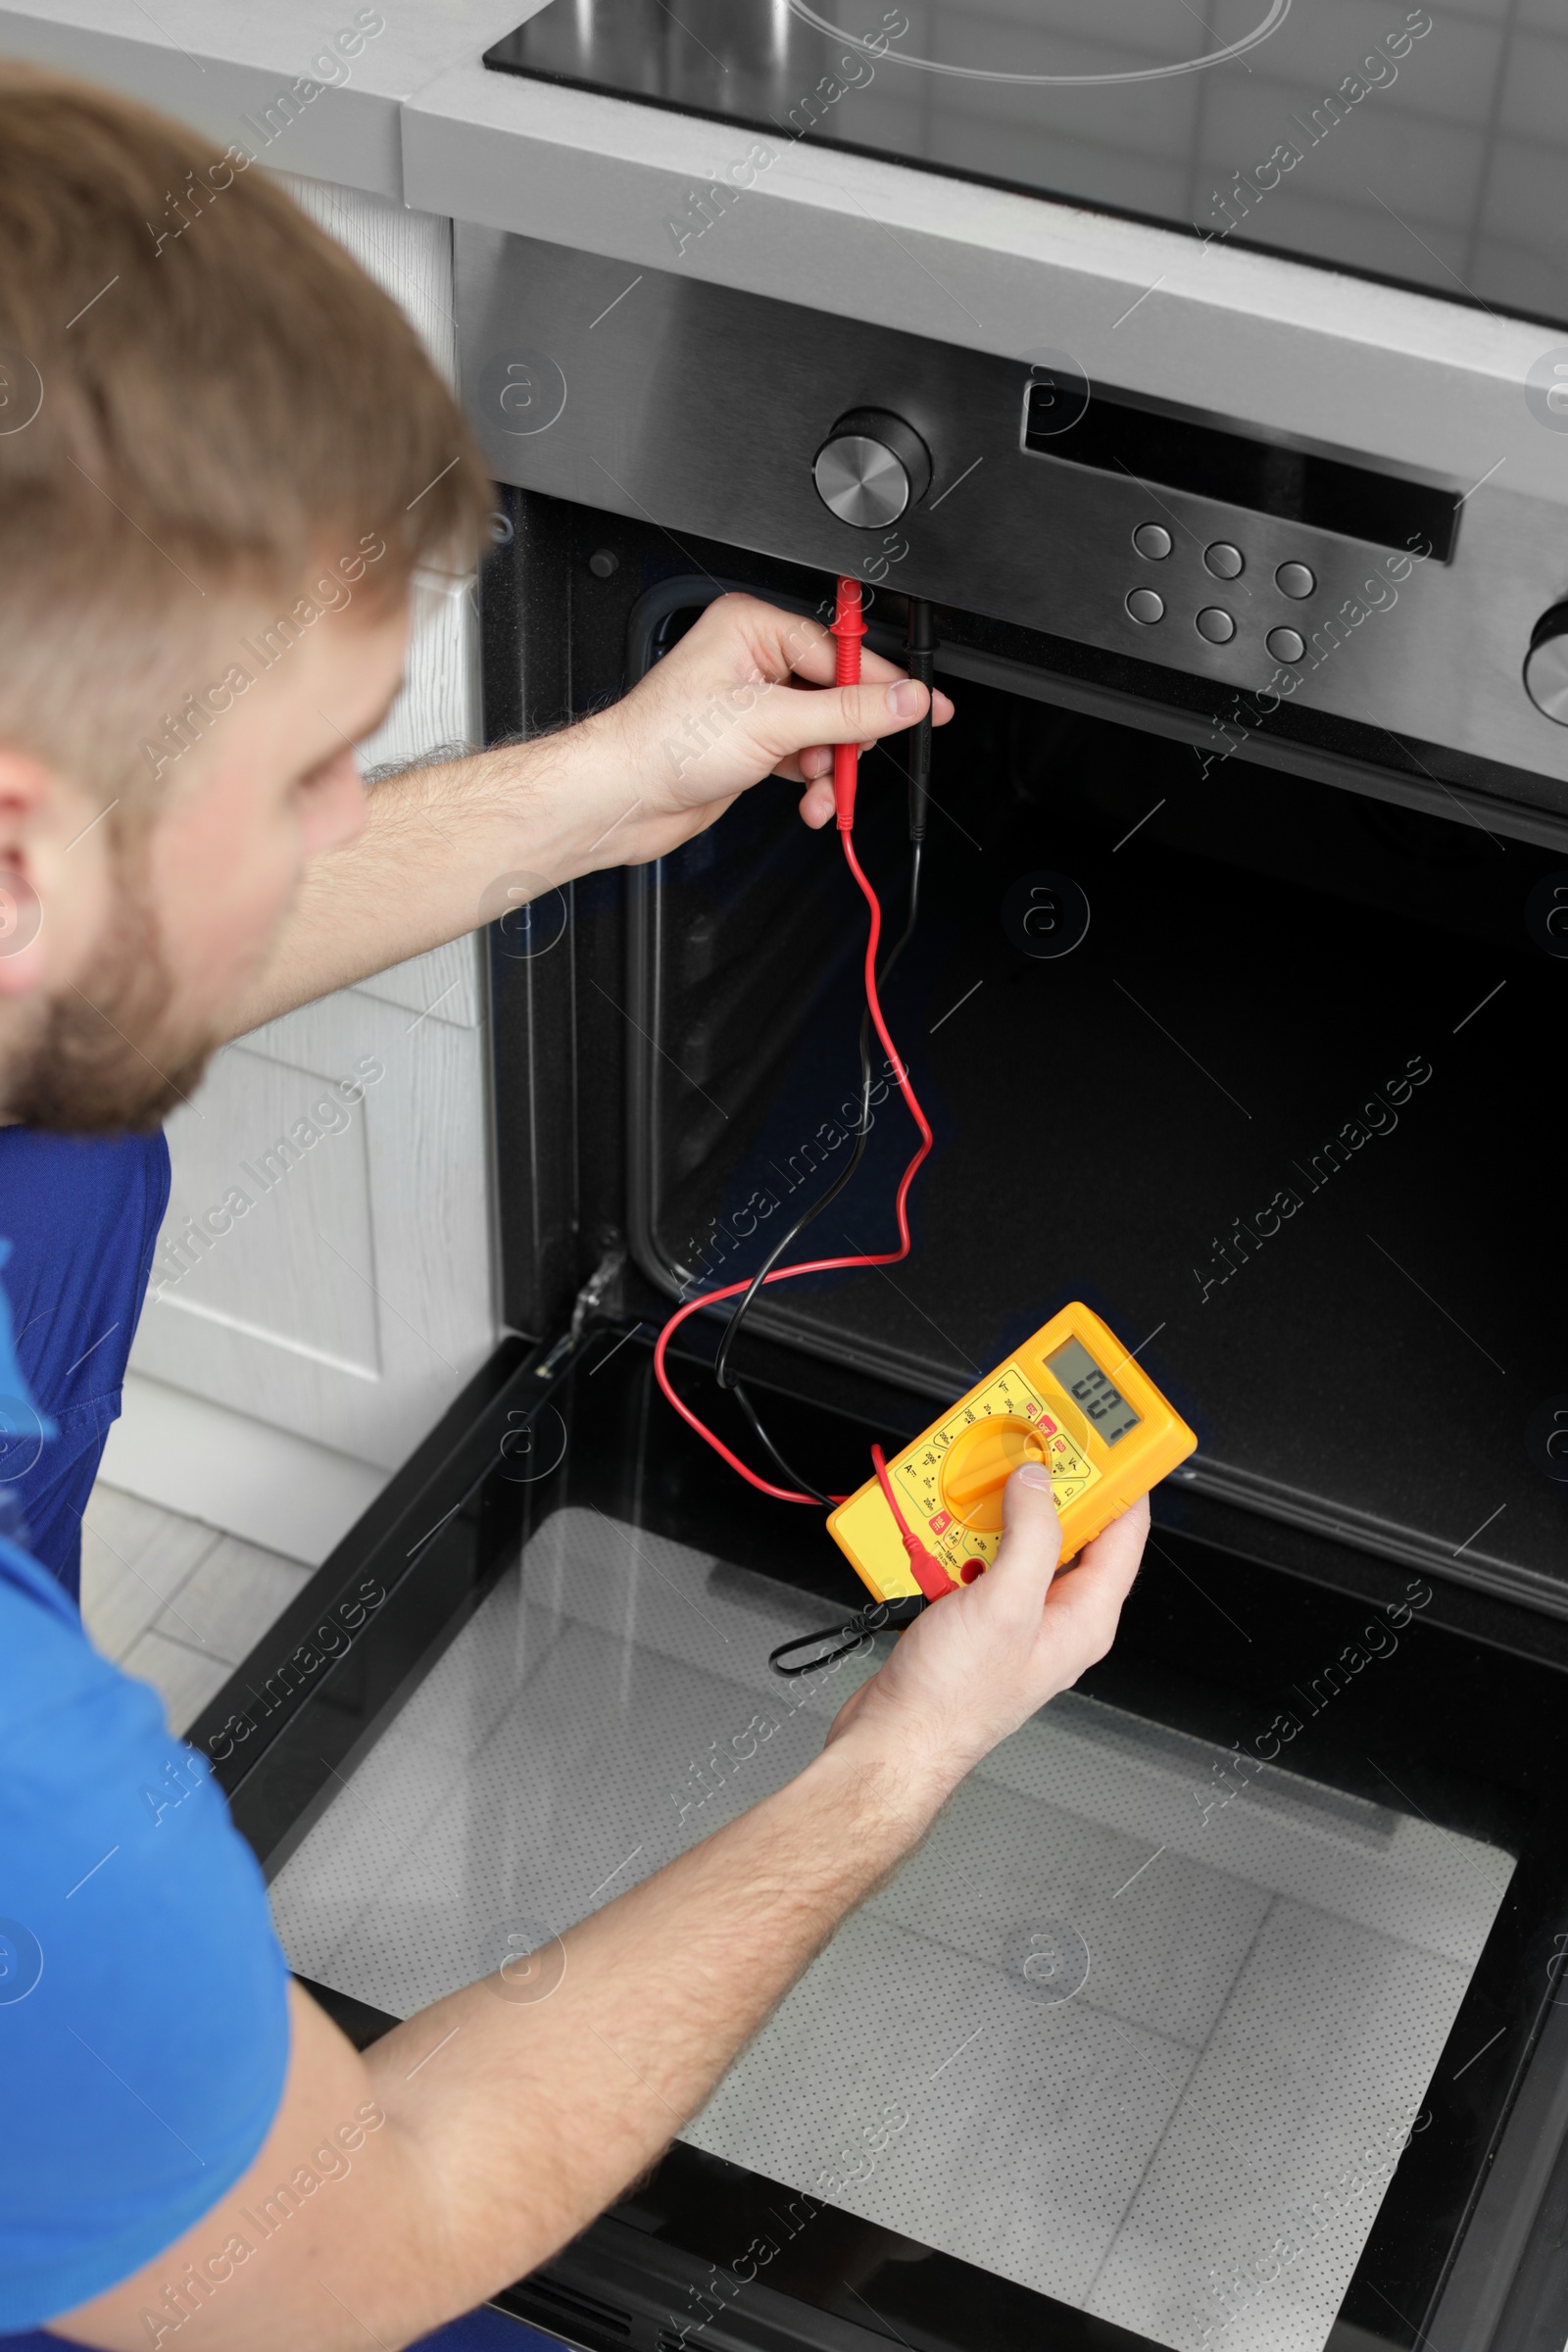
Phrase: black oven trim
(1409, 776)
(450, 1521)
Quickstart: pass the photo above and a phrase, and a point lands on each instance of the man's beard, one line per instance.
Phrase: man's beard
(91, 1071)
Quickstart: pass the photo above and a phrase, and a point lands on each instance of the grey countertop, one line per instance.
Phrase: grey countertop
(1416, 382)
(218, 62)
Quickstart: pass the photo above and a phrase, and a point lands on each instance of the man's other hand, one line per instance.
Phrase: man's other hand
(979, 1662)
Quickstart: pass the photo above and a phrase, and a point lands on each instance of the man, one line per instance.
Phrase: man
(235, 457)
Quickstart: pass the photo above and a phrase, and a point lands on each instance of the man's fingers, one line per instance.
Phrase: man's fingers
(818, 663)
(817, 805)
(784, 642)
(940, 706)
(781, 641)
(788, 641)
(796, 722)
(1102, 1574)
(815, 760)
(1030, 1542)
(1084, 1602)
(817, 659)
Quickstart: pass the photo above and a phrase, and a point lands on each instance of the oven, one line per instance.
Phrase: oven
(1221, 2010)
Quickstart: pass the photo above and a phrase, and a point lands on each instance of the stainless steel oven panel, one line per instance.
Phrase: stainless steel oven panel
(701, 408)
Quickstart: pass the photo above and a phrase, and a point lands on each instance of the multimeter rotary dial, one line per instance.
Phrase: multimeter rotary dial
(978, 1464)
(1070, 1398)
(871, 469)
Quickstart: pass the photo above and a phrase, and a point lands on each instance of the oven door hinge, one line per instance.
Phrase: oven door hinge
(598, 1293)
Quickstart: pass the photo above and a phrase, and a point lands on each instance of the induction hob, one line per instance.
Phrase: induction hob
(1427, 146)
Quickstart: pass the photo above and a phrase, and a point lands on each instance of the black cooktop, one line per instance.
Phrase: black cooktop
(1427, 145)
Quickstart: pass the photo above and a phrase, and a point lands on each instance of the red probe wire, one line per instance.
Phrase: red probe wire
(849, 627)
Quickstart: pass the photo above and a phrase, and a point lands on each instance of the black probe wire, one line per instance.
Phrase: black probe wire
(884, 1616)
(721, 1371)
(920, 661)
(742, 1306)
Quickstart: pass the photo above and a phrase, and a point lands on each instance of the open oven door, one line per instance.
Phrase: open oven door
(1220, 2008)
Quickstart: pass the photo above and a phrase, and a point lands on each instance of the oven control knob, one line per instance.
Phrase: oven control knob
(1546, 665)
(871, 469)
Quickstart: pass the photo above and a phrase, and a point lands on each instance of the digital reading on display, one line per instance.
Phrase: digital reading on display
(1084, 1382)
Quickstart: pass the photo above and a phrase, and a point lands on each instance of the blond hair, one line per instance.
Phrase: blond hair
(194, 423)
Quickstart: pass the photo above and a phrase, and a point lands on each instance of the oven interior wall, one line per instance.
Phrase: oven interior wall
(1283, 1113)
(1280, 1113)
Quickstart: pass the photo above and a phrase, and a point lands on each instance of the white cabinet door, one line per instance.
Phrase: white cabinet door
(325, 1262)
(325, 1266)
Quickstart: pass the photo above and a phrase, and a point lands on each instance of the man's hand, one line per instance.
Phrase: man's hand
(724, 708)
(746, 694)
(981, 1660)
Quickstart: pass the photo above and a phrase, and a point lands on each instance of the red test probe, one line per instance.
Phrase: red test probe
(848, 625)
(924, 1566)
(847, 628)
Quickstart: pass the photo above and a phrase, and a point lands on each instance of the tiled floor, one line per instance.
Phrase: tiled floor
(175, 1602)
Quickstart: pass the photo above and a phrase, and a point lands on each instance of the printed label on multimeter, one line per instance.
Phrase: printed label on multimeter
(918, 1479)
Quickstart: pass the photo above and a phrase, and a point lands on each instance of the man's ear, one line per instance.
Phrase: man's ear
(41, 817)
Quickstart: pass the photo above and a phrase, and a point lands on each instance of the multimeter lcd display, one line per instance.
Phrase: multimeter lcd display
(1084, 1382)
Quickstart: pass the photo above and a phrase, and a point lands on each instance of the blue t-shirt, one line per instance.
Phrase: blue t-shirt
(143, 1993)
(82, 1214)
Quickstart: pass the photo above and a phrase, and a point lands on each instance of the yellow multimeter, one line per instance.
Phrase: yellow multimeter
(1070, 1397)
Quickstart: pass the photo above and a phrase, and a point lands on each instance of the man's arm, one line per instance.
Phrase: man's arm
(485, 2133)
(441, 844)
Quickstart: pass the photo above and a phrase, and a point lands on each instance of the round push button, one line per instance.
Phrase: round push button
(1294, 580)
(1225, 561)
(1151, 539)
(1216, 624)
(1286, 645)
(1145, 605)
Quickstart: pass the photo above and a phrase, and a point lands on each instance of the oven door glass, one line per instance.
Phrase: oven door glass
(1145, 2024)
